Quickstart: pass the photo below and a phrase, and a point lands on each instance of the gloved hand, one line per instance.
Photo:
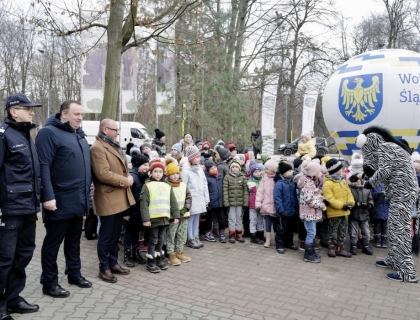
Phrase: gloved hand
(345, 207)
(354, 178)
(327, 203)
(368, 185)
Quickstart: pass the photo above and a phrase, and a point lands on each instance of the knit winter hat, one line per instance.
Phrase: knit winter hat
(146, 143)
(177, 147)
(241, 156)
(231, 146)
(192, 153)
(306, 135)
(206, 144)
(312, 168)
(221, 143)
(224, 154)
(156, 164)
(253, 166)
(159, 134)
(333, 165)
(209, 164)
(415, 157)
(417, 167)
(198, 142)
(235, 163)
(297, 162)
(356, 165)
(138, 160)
(171, 166)
(284, 167)
(271, 164)
(134, 150)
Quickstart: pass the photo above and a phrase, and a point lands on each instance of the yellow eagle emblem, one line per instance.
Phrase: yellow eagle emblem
(360, 97)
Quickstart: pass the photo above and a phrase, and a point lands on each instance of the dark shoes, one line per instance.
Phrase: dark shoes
(5, 316)
(255, 239)
(107, 276)
(292, 247)
(81, 282)
(55, 291)
(353, 249)
(23, 307)
(331, 251)
(367, 250)
(340, 252)
(280, 250)
(117, 269)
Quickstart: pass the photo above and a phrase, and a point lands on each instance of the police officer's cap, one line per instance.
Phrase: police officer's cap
(20, 99)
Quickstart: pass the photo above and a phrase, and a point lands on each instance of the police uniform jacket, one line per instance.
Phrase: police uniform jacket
(20, 181)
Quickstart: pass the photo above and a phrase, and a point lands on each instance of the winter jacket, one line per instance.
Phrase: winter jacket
(207, 155)
(215, 187)
(65, 169)
(307, 148)
(188, 200)
(285, 197)
(144, 207)
(138, 181)
(159, 146)
(195, 179)
(310, 200)
(265, 195)
(223, 168)
(363, 203)
(20, 178)
(253, 185)
(381, 204)
(235, 190)
(337, 193)
(112, 191)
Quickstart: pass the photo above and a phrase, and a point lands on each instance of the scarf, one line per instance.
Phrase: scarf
(214, 174)
(112, 143)
(174, 183)
(336, 178)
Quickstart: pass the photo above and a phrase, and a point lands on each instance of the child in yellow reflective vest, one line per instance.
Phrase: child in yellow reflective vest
(157, 204)
(177, 232)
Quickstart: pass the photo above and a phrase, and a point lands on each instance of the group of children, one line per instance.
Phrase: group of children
(173, 193)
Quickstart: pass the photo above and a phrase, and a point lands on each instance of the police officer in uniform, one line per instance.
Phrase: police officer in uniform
(19, 201)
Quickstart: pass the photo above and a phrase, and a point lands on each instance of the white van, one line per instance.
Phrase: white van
(129, 132)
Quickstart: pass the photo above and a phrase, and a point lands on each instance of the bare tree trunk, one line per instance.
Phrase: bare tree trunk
(113, 60)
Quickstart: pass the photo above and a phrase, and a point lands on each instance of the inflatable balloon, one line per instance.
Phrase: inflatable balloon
(380, 87)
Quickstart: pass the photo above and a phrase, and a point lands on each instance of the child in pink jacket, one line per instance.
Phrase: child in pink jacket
(265, 199)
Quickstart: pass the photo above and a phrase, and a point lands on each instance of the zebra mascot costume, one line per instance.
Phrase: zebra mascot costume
(388, 161)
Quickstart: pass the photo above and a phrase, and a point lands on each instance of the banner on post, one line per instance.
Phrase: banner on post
(309, 101)
(268, 130)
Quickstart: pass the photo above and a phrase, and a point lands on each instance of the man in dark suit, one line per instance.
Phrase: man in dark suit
(66, 177)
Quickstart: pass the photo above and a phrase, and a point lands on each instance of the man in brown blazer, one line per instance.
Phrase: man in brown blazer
(112, 196)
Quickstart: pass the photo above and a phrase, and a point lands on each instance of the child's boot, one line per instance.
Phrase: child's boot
(384, 241)
(160, 262)
(128, 261)
(353, 249)
(239, 236)
(255, 239)
(181, 257)
(359, 244)
(260, 235)
(366, 248)
(173, 259)
(267, 243)
(331, 250)
(340, 252)
(222, 236)
(310, 255)
(151, 264)
(231, 236)
(137, 256)
(377, 240)
(198, 241)
(209, 236)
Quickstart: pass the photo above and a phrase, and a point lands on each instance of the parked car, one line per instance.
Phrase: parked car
(291, 148)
